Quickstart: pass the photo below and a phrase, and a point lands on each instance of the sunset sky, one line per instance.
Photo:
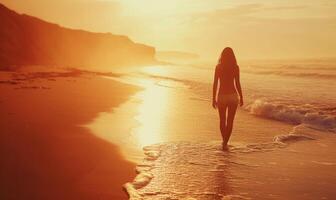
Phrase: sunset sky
(255, 29)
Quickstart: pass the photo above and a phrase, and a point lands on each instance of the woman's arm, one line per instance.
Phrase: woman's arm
(238, 86)
(214, 89)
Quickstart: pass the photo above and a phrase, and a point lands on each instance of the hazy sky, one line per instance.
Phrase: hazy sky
(255, 29)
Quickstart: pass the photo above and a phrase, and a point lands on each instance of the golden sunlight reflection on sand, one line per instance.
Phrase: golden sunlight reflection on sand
(152, 112)
(138, 122)
(156, 70)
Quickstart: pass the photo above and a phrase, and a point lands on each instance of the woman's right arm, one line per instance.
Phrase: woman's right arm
(238, 86)
(214, 89)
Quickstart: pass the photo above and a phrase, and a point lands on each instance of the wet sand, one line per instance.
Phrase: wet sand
(45, 152)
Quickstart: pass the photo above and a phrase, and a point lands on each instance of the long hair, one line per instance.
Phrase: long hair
(227, 58)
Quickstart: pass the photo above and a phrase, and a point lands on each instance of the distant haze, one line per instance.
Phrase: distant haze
(255, 29)
(177, 57)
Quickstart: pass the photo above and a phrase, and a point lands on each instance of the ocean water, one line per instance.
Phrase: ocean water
(282, 145)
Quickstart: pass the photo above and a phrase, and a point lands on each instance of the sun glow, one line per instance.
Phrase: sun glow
(150, 7)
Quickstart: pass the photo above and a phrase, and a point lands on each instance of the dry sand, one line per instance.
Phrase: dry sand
(44, 152)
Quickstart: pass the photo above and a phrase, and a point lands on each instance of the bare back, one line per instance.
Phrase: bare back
(227, 78)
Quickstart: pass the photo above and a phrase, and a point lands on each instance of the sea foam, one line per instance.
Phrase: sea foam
(191, 170)
(179, 171)
(308, 115)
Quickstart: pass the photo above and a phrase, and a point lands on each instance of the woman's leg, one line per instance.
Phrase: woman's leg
(232, 108)
(222, 117)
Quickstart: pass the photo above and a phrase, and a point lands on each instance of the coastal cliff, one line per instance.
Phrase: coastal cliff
(27, 40)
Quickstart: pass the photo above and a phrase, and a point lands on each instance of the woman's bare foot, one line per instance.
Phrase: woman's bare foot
(225, 147)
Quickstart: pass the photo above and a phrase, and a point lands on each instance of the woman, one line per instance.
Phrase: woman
(227, 73)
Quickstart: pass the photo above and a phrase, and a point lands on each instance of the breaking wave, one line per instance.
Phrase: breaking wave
(295, 114)
(296, 74)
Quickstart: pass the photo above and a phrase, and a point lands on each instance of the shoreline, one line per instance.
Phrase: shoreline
(45, 152)
(206, 172)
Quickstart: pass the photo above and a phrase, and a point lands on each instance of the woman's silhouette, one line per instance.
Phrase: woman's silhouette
(227, 73)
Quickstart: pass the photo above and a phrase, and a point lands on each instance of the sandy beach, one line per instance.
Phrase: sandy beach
(167, 100)
(45, 152)
(285, 141)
